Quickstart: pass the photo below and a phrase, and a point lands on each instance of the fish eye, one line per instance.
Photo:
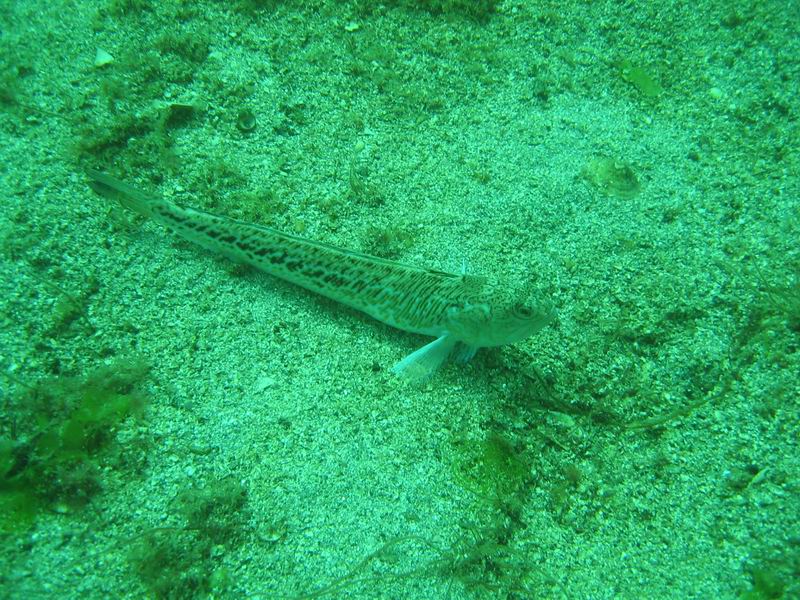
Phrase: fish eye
(524, 311)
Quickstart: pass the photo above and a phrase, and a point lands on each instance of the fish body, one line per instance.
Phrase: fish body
(455, 309)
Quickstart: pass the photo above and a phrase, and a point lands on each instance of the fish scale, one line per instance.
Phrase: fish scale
(465, 308)
(404, 297)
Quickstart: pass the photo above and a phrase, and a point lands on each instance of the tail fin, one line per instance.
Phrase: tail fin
(128, 196)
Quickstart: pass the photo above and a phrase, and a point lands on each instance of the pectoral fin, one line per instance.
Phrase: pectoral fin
(464, 353)
(419, 366)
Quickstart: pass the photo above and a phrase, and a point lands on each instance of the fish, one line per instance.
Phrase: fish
(463, 312)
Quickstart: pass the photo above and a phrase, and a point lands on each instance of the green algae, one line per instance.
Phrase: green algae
(612, 177)
(491, 468)
(183, 562)
(57, 438)
(640, 79)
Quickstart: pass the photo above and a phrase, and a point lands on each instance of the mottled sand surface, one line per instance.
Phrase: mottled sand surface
(636, 162)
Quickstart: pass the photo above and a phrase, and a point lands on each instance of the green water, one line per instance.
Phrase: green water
(173, 425)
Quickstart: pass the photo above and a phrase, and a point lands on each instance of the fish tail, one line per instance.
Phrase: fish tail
(128, 196)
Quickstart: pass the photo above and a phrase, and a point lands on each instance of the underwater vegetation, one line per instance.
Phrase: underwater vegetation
(184, 562)
(771, 319)
(770, 579)
(491, 468)
(479, 10)
(639, 78)
(612, 177)
(137, 123)
(216, 510)
(783, 301)
(10, 76)
(171, 564)
(58, 434)
(481, 558)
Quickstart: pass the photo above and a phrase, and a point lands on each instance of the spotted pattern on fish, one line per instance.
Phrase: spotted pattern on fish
(406, 297)
(455, 308)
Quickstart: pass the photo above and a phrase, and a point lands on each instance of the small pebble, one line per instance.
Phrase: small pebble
(102, 58)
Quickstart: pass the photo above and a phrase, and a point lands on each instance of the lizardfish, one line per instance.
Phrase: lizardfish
(463, 312)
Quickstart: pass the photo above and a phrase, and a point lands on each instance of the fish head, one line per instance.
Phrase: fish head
(498, 319)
